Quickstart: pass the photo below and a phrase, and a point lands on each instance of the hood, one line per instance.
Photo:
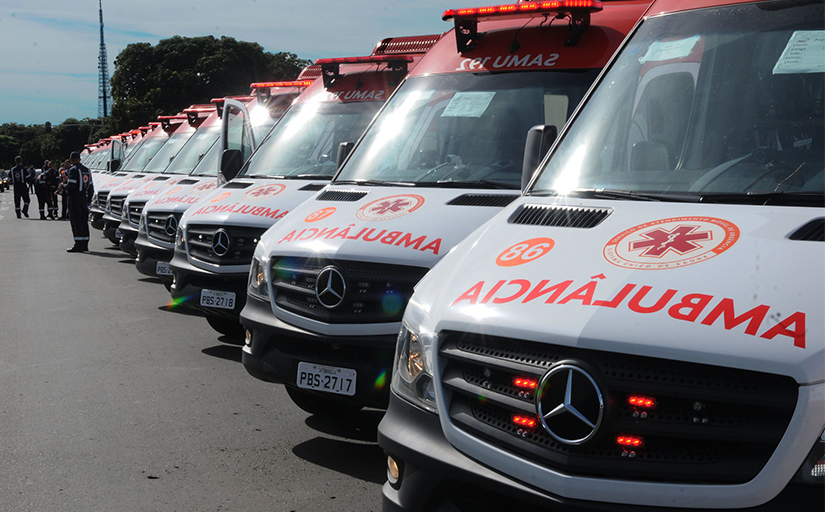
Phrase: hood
(115, 182)
(714, 284)
(399, 225)
(147, 188)
(249, 202)
(182, 195)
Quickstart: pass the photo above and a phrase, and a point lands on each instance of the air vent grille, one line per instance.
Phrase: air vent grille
(241, 184)
(813, 231)
(559, 216)
(313, 187)
(188, 182)
(498, 200)
(342, 195)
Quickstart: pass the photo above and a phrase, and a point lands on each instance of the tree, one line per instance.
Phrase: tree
(149, 81)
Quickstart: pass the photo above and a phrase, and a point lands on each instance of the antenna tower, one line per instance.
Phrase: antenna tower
(104, 94)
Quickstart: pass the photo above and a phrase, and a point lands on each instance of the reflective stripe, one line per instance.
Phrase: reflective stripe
(72, 181)
(81, 238)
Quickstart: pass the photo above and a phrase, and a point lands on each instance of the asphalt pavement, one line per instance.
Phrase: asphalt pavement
(116, 401)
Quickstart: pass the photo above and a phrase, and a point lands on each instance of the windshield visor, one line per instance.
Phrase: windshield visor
(467, 127)
(721, 104)
(306, 140)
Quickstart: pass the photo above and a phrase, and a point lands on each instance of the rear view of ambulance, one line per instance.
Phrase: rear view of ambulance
(643, 329)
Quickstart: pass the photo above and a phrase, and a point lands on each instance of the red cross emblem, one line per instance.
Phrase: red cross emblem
(385, 207)
(390, 207)
(681, 239)
(263, 191)
(209, 185)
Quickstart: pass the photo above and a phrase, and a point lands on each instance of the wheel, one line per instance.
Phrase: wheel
(233, 330)
(321, 405)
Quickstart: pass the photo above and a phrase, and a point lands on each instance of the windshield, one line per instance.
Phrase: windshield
(138, 160)
(464, 127)
(208, 165)
(306, 140)
(722, 104)
(131, 148)
(194, 150)
(169, 150)
(99, 159)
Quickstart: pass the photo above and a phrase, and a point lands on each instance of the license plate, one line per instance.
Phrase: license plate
(331, 379)
(213, 299)
(118, 233)
(163, 269)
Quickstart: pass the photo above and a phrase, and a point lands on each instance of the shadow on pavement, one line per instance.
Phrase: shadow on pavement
(106, 255)
(228, 352)
(362, 461)
(153, 280)
(362, 426)
(171, 308)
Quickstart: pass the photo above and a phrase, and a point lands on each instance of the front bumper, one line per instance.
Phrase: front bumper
(277, 348)
(148, 256)
(128, 235)
(96, 216)
(437, 477)
(111, 230)
(189, 281)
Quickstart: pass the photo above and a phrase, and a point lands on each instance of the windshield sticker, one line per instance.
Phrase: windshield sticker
(321, 214)
(390, 207)
(263, 192)
(669, 50)
(397, 238)
(468, 104)
(525, 252)
(671, 243)
(762, 321)
(804, 53)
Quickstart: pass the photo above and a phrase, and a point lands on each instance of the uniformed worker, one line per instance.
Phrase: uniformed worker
(80, 189)
(21, 188)
(41, 191)
(52, 182)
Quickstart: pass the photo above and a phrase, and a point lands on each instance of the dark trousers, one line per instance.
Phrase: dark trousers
(21, 192)
(44, 201)
(64, 202)
(79, 217)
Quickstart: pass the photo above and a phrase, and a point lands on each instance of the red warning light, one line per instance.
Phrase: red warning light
(524, 421)
(631, 441)
(294, 83)
(525, 7)
(642, 401)
(525, 383)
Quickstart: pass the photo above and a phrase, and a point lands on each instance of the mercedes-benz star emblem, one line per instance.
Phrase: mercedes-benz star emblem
(171, 225)
(330, 287)
(220, 242)
(570, 404)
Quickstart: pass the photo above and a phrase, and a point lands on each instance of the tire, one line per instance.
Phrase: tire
(232, 329)
(320, 405)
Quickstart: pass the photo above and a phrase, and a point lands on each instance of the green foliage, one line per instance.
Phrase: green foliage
(180, 71)
(35, 145)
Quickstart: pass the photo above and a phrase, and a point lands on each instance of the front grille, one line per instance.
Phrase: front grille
(135, 209)
(102, 198)
(116, 206)
(375, 292)
(156, 226)
(242, 241)
(710, 425)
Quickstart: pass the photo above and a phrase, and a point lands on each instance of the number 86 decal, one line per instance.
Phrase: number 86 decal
(525, 252)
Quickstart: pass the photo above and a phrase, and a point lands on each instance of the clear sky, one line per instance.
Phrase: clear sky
(49, 48)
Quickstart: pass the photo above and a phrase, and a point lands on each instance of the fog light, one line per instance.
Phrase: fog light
(393, 471)
(248, 338)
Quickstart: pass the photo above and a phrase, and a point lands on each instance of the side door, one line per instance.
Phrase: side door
(237, 140)
(116, 156)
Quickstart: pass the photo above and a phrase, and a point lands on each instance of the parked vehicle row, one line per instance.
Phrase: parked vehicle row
(574, 248)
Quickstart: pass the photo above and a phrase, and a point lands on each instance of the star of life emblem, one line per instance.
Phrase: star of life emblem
(390, 207)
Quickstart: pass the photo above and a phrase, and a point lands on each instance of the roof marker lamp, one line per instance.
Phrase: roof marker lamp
(412, 377)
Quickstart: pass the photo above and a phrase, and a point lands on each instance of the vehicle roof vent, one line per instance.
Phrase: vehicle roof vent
(814, 231)
(238, 184)
(188, 182)
(138, 176)
(408, 44)
(161, 178)
(496, 200)
(341, 195)
(559, 216)
(310, 73)
(313, 187)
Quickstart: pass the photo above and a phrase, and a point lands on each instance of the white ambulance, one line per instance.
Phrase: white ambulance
(217, 237)
(644, 328)
(329, 284)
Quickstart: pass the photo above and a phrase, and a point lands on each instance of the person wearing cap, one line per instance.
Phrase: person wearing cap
(80, 189)
(19, 178)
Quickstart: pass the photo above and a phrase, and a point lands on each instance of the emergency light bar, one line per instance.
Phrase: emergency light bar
(218, 102)
(166, 121)
(330, 67)
(193, 113)
(466, 20)
(269, 85)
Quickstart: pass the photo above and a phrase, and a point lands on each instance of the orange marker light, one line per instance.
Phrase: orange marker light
(524, 421)
(642, 401)
(525, 383)
(631, 441)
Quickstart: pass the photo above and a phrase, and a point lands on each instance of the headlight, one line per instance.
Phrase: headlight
(412, 376)
(180, 243)
(258, 283)
(812, 471)
(124, 214)
(94, 199)
(142, 223)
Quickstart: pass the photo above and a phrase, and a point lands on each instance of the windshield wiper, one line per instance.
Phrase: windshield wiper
(378, 183)
(768, 198)
(477, 184)
(625, 195)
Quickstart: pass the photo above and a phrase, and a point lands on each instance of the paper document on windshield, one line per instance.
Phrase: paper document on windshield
(804, 53)
(468, 104)
(669, 50)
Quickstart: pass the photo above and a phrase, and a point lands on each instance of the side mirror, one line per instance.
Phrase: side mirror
(539, 140)
(230, 163)
(114, 165)
(344, 150)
